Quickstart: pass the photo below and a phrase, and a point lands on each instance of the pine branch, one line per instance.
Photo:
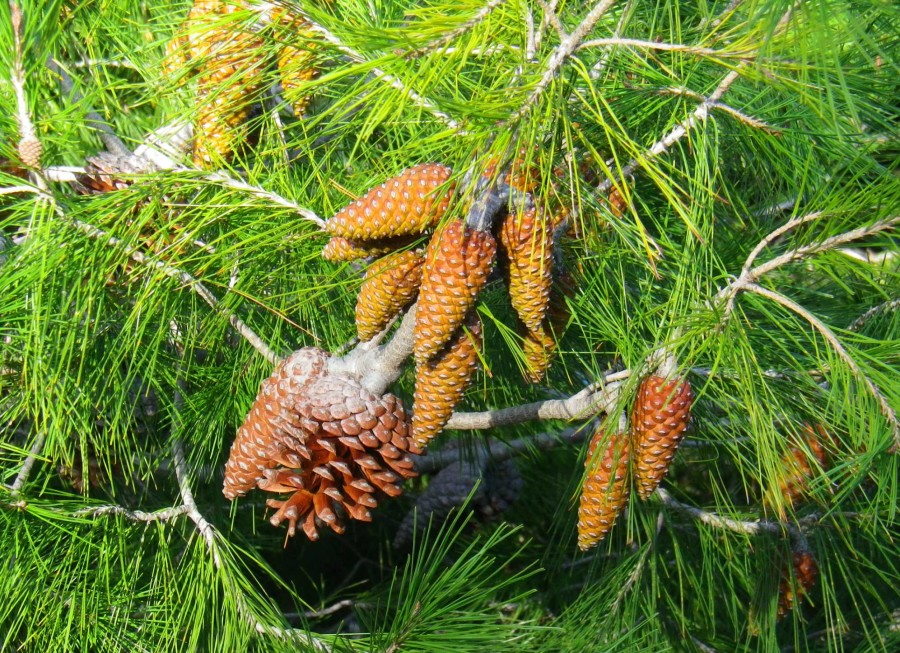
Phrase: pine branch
(25, 470)
(448, 38)
(886, 307)
(164, 515)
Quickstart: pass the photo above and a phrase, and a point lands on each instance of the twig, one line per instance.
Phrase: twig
(27, 134)
(448, 37)
(236, 184)
(598, 68)
(552, 18)
(542, 27)
(717, 20)
(134, 515)
(839, 349)
(25, 470)
(886, 307)
(669, 47)
(562, 52)
(725, 523)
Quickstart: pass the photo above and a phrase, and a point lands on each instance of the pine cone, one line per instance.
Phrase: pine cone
(658, 421)
(527, 244)
(408, 204)
(441, 382)
(797, 470)
(342, 249)
(231, 71)
(272, 423)
(30, 150)
(295, 65)
(391, 285)
(792, 590)
(523, 174)
(176, 60)
(606, 489)
(457, 263)
(539, 346)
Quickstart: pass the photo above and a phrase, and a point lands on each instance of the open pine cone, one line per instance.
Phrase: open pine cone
(326, 440)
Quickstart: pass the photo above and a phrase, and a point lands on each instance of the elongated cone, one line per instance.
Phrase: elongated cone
(606, 489)
(796, 466)
(458, 261)
(272, 422)
(658, 420)
(391, 285)
(441, 382)
(526, 242)
(408, 204)
(805, 572)
(295, 64)
(231, 70)
(539, 347)
(343, 249)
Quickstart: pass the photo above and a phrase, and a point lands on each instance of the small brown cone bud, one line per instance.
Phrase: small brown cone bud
(295, 64)
(271, 423)
(805, 572)
(441, 382)
(391, 285)
(796, 467)
(408, 204)
(658, 420)
(526, 242)
(457, 263)
(606, 489)
(342, 249)
(231, 72)
(30, 150)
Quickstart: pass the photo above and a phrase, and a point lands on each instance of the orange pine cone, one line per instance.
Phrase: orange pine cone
(797, 471)
(231, 71)
(343, 249)
(791, 591)
(271, 423)
(441, 382)
(457, 263)
(295, 65)
(527, 244)
(523, 175)
(408, 204)
(539, 347)
(606, 489)
(658, 420)
(391, 285)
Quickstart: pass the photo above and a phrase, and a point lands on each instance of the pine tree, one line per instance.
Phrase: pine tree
(713, 195)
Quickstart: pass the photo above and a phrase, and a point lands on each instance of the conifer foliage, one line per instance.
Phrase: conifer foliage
(467, 325)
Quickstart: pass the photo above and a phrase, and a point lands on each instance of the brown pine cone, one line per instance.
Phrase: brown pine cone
(343, 249)
(295, 64)
(457, 263)
(527, 245)
(606, 489)
(390, 286)
(441, 381)
(106, 172)
(805, 572)
(231, 75)
(408, 204)
(272, 422)
(658, 420)
(796, 467)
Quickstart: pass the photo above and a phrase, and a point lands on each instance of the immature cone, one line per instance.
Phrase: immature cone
(791, 591)
(658, 420)
(408, 204)
(231, 72)
(30, 150)
(606, 489)
(539, 346)
(295, 65)
(391, 285)
(343, 249)
(526, 242)
(441, 382)
(797, 471)
(457, 263)
(326, 440)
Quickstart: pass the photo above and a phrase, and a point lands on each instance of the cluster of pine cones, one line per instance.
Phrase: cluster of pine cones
(659, 418)
(446, 279)
(217, 42)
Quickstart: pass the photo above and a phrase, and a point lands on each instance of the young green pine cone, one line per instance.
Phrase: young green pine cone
(343, 249)
(391, 285)
(658, 420)
(791, 591)
(295, 64)
(408, 204)
(457, 263)
(231, 71)
(527, 244)
(272, 423)
(606, 489)
(441, 382)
